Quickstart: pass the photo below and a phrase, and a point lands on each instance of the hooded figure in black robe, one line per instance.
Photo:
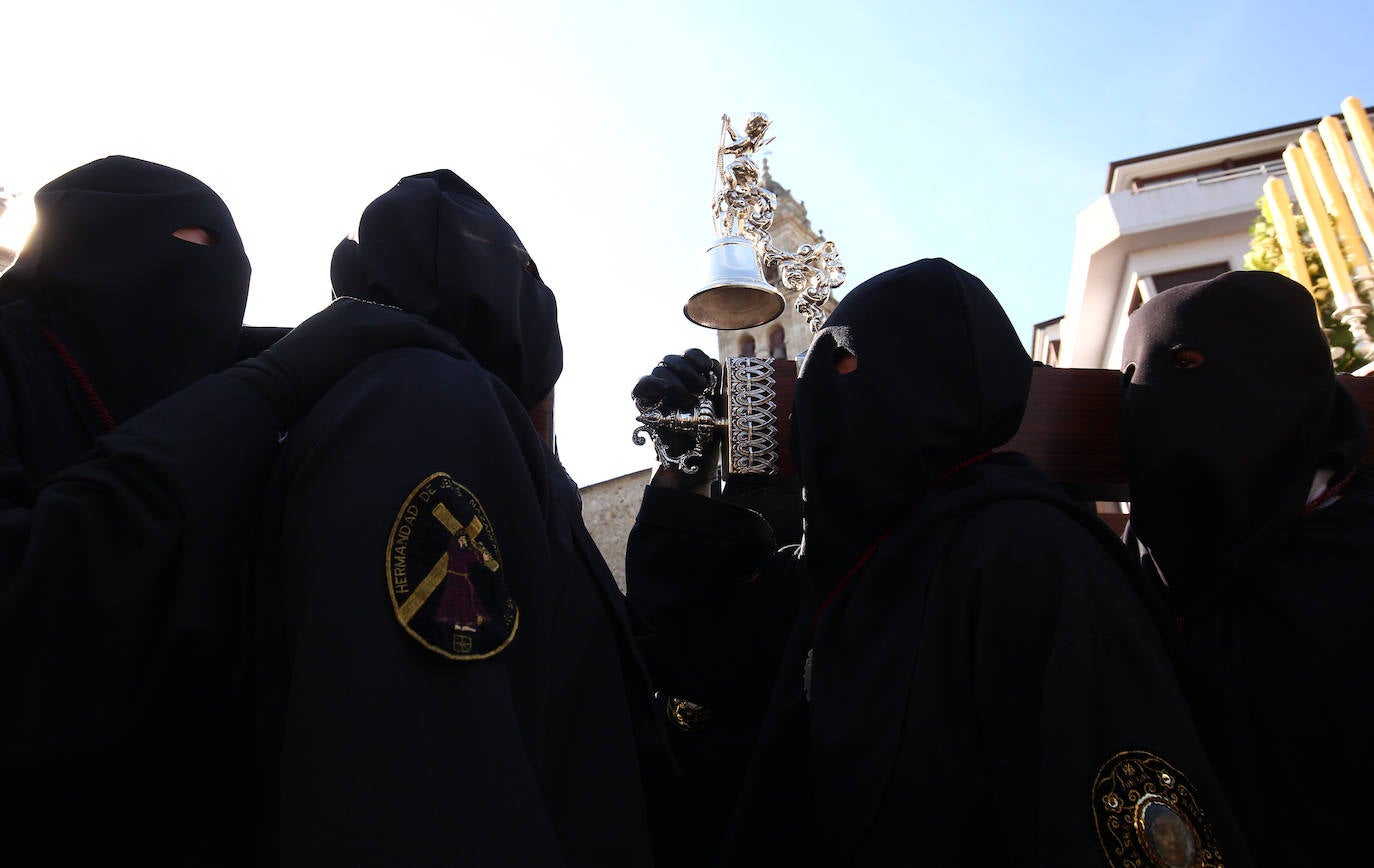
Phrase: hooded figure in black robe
(130, 473)
(460, 684)
(1248, 501)
(974, 678)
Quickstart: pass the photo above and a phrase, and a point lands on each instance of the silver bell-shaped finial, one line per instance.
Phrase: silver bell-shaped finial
(735, 295)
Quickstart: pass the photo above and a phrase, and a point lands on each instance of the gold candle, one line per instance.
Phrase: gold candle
(1281, 209)
(1334, 197)
(1319, 226)
(1357, 191)
(1360, 132)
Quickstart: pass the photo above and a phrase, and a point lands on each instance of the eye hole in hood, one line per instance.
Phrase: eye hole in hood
(197, 235)
(845, 361)
(1184, 358)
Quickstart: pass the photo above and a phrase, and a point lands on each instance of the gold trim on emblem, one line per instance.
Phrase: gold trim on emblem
(1147, 815)
(414, 509)
(687, 716)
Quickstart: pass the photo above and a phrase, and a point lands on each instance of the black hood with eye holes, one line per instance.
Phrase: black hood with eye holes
(941, 378)
(434, 246)
(1221, 456)
(144, 313)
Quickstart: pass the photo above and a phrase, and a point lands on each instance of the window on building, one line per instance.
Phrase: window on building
(1143, 292)
(777, 343)
(1170, 279)
(746, 345)
(1045, 341)
(1148, 287)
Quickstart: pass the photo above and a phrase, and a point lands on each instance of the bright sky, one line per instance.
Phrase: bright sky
(975, 131)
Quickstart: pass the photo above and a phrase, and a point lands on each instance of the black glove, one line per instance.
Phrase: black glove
(676, 384)
(298, 369)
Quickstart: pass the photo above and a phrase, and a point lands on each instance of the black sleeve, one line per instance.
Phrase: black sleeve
(121, 578)
(721, 602)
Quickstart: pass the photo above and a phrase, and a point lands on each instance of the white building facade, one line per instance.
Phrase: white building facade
(1165, 219)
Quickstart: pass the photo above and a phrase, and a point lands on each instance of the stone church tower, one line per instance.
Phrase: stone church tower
(788, 336)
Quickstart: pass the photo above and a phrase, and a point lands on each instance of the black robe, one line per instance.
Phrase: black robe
(457, 685)
(719, 595)
(1267, 580)
(123, 611)
(975, 675)
(965, 686)
(1279, 686)
(121, 601)
(390, 752)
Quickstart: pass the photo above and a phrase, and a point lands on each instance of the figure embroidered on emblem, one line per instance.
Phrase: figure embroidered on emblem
(806, 674)
(1147, 814)
(444, 573)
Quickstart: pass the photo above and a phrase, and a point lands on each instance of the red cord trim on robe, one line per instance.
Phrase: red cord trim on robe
(863, 559)
(1330, 492)
(86, 388)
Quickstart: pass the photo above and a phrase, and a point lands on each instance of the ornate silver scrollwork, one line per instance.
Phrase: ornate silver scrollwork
(752, 416)
(750, 422)
(744, 207)
(811, 272)
(700, 423)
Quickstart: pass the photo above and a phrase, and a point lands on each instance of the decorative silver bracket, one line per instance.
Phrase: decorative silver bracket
(1354, 315)
(700, 423)
(749, 422)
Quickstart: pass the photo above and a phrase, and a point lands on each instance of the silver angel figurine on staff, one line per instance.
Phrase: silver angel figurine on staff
(746, 286)
(746, 275)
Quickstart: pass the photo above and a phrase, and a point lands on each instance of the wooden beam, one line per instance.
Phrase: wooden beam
(1072, 428)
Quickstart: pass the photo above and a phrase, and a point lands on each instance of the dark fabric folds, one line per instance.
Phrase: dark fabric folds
(434, 246)
(941, 378)
(1231, 410)
(968, 646)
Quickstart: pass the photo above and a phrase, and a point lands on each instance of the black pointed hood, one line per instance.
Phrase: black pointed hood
(434, 246)
(143, 312)
(1230, 406)
(941, 378)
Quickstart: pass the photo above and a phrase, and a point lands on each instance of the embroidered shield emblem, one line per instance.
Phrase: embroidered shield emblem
(443, 572)
(1147, 815)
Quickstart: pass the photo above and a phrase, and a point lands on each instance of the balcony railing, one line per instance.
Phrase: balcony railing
(1273, 167)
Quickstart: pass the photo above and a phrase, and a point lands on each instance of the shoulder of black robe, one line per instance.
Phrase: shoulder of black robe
(51, 423)
(524, 751)
(1278, 683)
(993, 652)
(121, 615)
(255, 339)
(904, 569)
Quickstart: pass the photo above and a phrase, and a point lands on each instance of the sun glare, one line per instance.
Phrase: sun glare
(16, 220)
